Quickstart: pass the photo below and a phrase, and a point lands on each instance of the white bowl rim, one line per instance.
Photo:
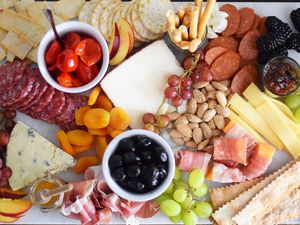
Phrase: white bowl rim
(130, 195)
(64, 28)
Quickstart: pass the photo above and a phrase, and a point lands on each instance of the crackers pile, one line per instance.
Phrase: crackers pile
(270, 200)
(147, 17)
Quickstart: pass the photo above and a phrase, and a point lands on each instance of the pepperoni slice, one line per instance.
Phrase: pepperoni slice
(225, 42)
(233, 19)
(244, 78)
(247, 20)
(225, 66)
(255, 25)
(214, 53)
(248, 49)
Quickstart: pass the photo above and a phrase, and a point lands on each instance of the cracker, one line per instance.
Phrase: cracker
(10, 56)
(224, 215)
(32, 55)
(110, 22)
(2, 54)
(23, 5)
(67, 9)
(97, 12)
(270, 196)
(86, 12)
(125, 9)
(5, 4)
(153, 14)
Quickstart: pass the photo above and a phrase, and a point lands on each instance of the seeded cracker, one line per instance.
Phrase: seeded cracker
(67, 9)
(86, 12)
(110, 21)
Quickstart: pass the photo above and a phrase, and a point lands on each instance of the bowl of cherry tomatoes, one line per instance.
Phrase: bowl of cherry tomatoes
(77, 64)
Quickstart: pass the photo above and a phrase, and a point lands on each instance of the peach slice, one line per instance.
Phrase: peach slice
(114, 42)
(7, 219)
(7, 192)
(131, 38)
(13, 207)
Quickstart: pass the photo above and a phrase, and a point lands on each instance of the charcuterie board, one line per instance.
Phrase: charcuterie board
(280, 158)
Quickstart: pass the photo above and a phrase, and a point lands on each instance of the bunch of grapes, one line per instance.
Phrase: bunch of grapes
(5, 173)
(180, 202)
(155, 123)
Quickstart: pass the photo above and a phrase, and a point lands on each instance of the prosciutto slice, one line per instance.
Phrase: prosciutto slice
(148, 210)
(223, 174)
(188, 160)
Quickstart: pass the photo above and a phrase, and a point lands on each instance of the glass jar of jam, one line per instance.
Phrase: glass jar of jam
(281, 76)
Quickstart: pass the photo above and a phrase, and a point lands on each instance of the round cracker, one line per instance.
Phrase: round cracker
(103, 19)
(110, 22)
(153, 14)
(86, 12)
(125, 9)
(139, 27)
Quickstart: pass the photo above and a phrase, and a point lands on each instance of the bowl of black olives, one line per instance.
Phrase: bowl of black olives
(138, 165)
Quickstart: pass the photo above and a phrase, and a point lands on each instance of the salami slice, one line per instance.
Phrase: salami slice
(248, 49)
(67, 113)
(255, 25)
(233, 19)
(11, 74)
(226, 42)
(262, 26)
(214, 53)
(45, 99)
(244, 78)
(225, 66)
(247, 20)
(70, 126)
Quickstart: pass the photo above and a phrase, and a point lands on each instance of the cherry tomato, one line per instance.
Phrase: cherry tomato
(67, 61)
(52, 68)
(86, 73)
(52, 53)
(89, 51)
(72, 40)
(67, 80)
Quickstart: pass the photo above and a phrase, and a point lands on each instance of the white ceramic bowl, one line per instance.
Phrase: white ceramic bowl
(63, 29)
(130, 195)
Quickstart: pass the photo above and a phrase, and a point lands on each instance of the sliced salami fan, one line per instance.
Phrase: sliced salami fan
(226, 42)
(255, 25)
(67, 113)
(214, 53)
(45, 99)
(233, 19)
(248, 49)
(244, 78)
(247, 20)
(71, 126)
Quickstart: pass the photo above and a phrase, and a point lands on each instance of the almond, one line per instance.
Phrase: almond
(190, 144)
(219, 121)
(225, 82)
(175, 134)
(178, 141)
(182, 119)
(184, 130)
(202, 109)
(197, 135)
(173, 116)
(203, 144)
(192, 106)
(206, 130)
(186, 139)
(209, 88)
(228, 92)
(200, 84)
(221, 98)
(219, 86)
(193, 125)
(223, 111)
(193, 118)
(216, 133)
(211, 124)
(209, 114)
(199, 96)
(211, 95)
(204, 91)
(212, 103)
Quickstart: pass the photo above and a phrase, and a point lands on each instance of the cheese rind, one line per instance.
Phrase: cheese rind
(31, 156)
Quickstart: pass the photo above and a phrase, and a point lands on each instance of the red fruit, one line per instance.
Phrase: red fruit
(195, 76)
(10, 114)
(185, 94)
(52, 53)
(188, 62)
(177, 101)
(186, 82)
(170, 92)
(173, 80)
(1, 164)
(4, 138)
(67, 61)
(89, 50)
(204, 70)
(162, 121)
(72, 40)
(148, 118)
(86, 73)
(3, 182)
(149, 127)
(6, 172)
(199, 54)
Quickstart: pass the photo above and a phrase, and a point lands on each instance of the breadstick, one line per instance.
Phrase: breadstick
(205, 17)
(194, 44)
(184, 45)
(188, 9)
(194, 22)
(177, 20)
(184, 32)
(170, 21)
(198, 3)
(186, 21)
(176, 36)
(181, 13)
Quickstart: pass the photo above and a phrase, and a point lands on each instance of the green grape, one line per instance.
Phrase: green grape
(188, 202)
(297, 114)
(176, 219)
(162, 197)
(180, 184)
(170, 207)
(189, 217)
(203, 209)
(200, 191)
(196, 178)
(179, 195)
(177, 175)
(170, 189)
(292, 101)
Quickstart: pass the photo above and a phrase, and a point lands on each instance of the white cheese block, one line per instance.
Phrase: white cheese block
(31, 156)
(137, 85)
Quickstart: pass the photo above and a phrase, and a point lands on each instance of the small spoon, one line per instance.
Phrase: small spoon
(49, 15)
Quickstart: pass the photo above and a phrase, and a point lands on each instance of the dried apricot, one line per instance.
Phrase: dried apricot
(84, 162)
(119, 119)
(109, 129)
(104, 102)
(96, 118)
(64, 142)
(79, 113)
(115, 133)
(80, 137)
(101, 132)
(108, 139)
(101, 145)
(94, 95)
(79, 149)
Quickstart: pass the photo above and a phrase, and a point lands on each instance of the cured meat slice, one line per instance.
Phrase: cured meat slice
(45, 99)
(149, 209)
(248, 49)
(223, 41)
(244, 78)
(233, 19)
(259, 161)
(10, 74)
(71, 126)
(234, 149)
(262, 26)
(67, 113)
(214, 53)
(225, 66)
(222, 174)
(247, 20)
(188, 160)
(255, 25)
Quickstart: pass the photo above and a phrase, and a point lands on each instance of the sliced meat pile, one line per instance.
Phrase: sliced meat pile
(23, 88)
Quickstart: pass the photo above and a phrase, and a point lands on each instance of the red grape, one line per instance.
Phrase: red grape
(4, 138)
(195, 76)
(199, 53)
(186, 82)
(6, 172)
(1, 164)
(177, 101)
(10, 114)
(149, 127)
(3, 182)
(162, 121)
(156, 130)
(173, 80)
(170, 92)
(188, 62)
(149, 118)
(10, 124)
(186, 94)
(205, 73)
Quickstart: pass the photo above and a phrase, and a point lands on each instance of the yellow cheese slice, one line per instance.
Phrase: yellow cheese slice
(248, 113)
(271, 115)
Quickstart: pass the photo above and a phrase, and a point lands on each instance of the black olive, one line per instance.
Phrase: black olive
(115, 161)
(150, 172)
(160, 154)
(136, 185)
(130, 157)
(133, 171)
(119, 174)
(152, 183)
(127, 144)
(143, 140)
(163, 171)
(146, 156)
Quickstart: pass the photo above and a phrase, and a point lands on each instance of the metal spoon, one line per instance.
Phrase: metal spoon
(49, 15)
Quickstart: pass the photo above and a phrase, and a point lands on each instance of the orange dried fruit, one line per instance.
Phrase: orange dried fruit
(79, 113)
(101, 132)
(79, 149)
(94, 95)
(64, 142)
(84, 162)
(104, 102)
(115, 133)
(119, 119)
(96, 118)
(101, 145)
(109, 129)
(80, 137)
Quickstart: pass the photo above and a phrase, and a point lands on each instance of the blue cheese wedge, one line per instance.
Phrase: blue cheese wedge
(31, 156)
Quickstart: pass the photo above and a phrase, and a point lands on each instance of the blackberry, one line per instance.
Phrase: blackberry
(295, 17)
(294, 42)
(275, 25)
(270, 42)
(264, 57)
